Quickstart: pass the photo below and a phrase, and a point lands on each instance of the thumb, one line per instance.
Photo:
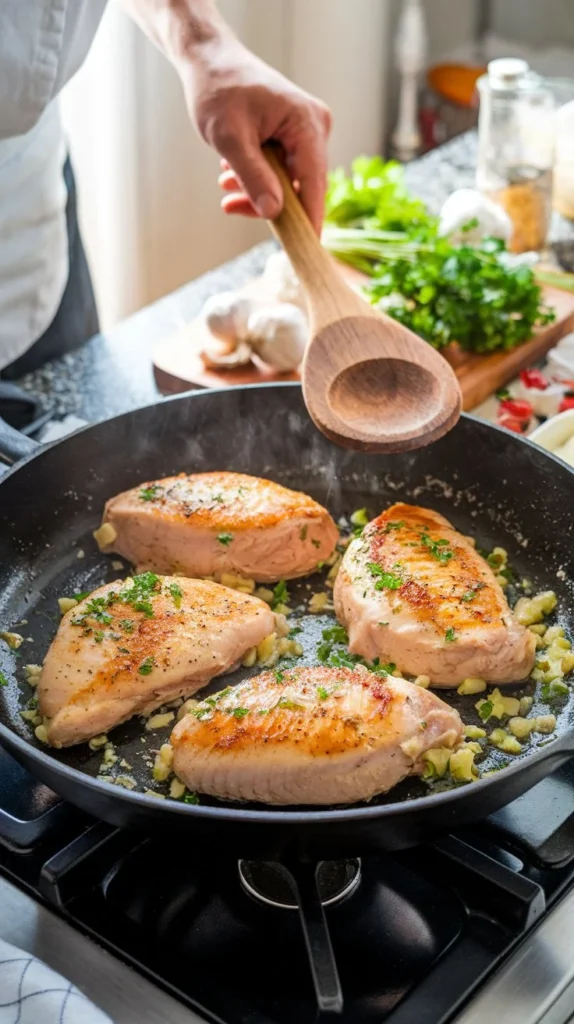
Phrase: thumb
(258, 180)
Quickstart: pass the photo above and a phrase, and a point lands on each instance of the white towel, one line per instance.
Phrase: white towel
(31, 993)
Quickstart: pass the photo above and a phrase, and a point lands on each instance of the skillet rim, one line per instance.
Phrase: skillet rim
(13, 741)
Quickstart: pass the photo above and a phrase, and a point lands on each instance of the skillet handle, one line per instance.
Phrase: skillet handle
(14, 445)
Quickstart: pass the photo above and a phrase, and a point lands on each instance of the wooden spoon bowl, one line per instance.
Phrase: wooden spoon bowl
(368, 382)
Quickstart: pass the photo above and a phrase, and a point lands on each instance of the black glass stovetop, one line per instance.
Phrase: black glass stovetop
(412, 941)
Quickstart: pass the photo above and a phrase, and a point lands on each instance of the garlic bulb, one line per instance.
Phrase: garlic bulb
(218, 357)
(226, 316)
(278, 334)
(467, 204)
(280, 282)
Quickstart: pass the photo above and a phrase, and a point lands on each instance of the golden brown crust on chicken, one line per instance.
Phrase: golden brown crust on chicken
(310, 736)
(220, 522)
(129, 647)
(414, 591)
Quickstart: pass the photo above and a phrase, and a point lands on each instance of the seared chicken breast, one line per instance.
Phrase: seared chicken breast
(413, 591)
(220, 522)
(133, 645)
(310, 736)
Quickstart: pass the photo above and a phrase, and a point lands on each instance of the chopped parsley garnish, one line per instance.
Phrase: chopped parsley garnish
(293, 632)
(280, 594)
(123, 650)
(176, 593)
(450, 635)
(147, 666)
(150, 493)
(469, 596)
(303, 533)
(217, 497)
(423, 725)
(95, 609)
(485, 710)
(82, 596)
(439, 549)
(99, 636)
(240, 712)
(225, 538)
(3, 680)
(279, 676)
(201, 712)
(551, 692)
(190, 798)
(385, 580)
(336, 635)
(382, 623)
(127, 625)
(316, 543)
(322, 693)
(394, 525)
(33, 703)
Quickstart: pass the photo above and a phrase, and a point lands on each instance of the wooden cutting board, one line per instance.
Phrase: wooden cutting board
(178, 366)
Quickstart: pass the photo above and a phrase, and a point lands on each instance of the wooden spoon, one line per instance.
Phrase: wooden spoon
(368, 382)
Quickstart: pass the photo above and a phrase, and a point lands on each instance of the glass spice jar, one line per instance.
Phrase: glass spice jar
(516, 149)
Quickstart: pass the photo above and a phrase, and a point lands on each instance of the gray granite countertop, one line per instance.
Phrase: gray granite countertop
(113, 373)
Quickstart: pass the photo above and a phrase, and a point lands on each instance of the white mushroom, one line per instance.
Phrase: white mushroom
(226, 316)
(217, 357)
(278, 334)
(280, 282)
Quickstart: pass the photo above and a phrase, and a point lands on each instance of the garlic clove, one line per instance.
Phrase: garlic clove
(278, 334)
(280, 282)
(226, 315)
(216, 358)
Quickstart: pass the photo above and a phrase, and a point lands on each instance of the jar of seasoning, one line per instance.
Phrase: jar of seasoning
(516, 149)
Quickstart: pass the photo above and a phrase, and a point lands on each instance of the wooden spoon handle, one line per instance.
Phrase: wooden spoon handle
(295, 232)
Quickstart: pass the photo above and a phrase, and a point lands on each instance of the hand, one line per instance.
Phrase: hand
(238, 102)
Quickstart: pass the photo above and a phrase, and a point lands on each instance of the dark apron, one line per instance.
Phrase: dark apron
(77, 318)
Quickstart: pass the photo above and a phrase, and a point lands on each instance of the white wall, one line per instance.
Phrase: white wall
(149, 203)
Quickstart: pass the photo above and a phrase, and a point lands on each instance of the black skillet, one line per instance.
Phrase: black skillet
(490, 483)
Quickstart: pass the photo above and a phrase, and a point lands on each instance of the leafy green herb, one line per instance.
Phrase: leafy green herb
(303, 532)
(176, 593)
(202, 712)
(151, 493)
(279, 676)
(240, 712)
(468, 294)
(394, 525)
(3, 680)
(81, 596)
(336, 635)
(95, 609)
(127, 625)
(147, 666)
(485, 710)
(322, 693)
(123, 650)
(382, 623)
(450, 635)
(374, 191)
(554, 691)
(469, 595)
(294, 632)
(439, 549)
(190, 798)
(385, 580)
(225, 538)
(33, 703)
(280, 594)
(99, 636)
